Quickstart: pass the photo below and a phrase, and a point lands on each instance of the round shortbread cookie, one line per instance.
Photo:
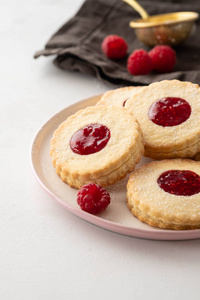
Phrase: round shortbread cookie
(118, 97)
(181, 137)
(166, 194)
(117, 158)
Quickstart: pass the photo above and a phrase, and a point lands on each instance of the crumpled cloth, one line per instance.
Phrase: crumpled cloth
(77, 44)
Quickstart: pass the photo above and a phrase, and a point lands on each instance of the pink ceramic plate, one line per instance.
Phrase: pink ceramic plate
(117, 217)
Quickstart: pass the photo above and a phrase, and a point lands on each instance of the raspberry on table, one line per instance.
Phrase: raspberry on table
(139, 62)
(163, 58)
(92, 198)
(114, 47)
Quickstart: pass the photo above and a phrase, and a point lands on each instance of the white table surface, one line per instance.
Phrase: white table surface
(45, 251)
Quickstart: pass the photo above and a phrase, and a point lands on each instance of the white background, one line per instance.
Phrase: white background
(45, 251)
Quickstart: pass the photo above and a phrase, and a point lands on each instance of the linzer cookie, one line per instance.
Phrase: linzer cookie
(168, 114)
(96, 145)
(118, 97)
(166, 194)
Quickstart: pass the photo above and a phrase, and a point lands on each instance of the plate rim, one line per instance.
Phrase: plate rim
(158, 234)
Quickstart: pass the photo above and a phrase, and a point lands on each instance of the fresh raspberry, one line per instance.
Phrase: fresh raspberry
(163, 58)
(139, 63)
(114, 47)
(92, 198)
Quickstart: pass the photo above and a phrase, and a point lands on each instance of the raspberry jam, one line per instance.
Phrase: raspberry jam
(169, 111)
(125, 102)
(180, 182)
(90, 139)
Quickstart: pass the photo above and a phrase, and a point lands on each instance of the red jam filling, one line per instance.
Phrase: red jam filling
(125, 102)
(90, 139)
(180, 182)
(169, 111)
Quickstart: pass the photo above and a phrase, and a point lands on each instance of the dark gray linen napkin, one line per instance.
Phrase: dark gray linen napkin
(77, 44)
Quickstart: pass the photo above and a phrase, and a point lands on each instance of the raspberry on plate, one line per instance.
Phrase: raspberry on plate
(92, 198)
(163, 58)
(114, 47)
(139, 63)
